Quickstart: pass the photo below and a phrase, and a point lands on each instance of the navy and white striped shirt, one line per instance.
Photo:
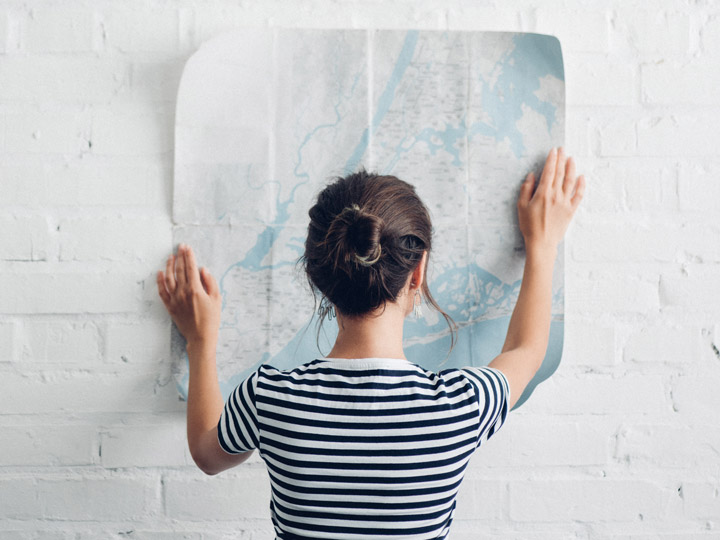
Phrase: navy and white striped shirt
(364, 448)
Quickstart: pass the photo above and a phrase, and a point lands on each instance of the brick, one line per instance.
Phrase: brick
(140, 30)
(582, 31)
(48, 446)
(141, 342)
(656, 31)
(477, 530)
(384, 15)
(577, 131)
(154, 445)
(19, 498)
(530, 441)
(710, 35)
(602, 394)
(650, 187)
(200, 25)
(70, 392)
(93, 531)
(696, 396)
(699, 187)
(599, 79)
(480, 499)
(9, 343)
(131, 131)
(588, 343)
(150, 534)
(47, 131)
(69, 293)
(2, 132)
(601, 499)
(27, 238)
(682, 446)
(671, 82)
(642, 185)
(663, 344)
(701, 500)
(475, 17)
(604, 188)
(56, 535)
(22, 181)
(84, 181)
(154, 81)
(617, 136)
(66, 342)
(262, 530)
(52, 79)
(108, 181)
(618, 290)
(219, 498)
(625, 240)
(120, 237)
(694, 286)
(50, 29)
(679, 135)
(3, 31)
(77, 499)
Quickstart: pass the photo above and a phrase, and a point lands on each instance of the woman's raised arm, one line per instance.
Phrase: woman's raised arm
(543, 217)
(194, 302)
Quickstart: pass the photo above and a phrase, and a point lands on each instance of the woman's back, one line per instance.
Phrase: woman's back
(364, 448)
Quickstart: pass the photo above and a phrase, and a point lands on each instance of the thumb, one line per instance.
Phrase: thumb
(209, 282)
(526, 189)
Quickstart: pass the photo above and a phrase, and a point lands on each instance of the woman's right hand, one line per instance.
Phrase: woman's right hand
(545, 215)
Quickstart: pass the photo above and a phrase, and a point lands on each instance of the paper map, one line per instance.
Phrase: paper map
(266, 117)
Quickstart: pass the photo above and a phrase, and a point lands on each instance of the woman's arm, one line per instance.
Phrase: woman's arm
(544, 217)
(193, 300)
(205, 405)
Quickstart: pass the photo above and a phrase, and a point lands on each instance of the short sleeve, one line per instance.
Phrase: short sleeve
(492, 391)
(238, 426)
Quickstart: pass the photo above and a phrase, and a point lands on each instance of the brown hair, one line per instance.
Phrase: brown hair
(367, 234)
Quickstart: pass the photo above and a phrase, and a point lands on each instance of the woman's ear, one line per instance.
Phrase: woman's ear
(418, 275)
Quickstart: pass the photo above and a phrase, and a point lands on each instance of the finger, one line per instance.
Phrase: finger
(170, 283)
(546, 179)
(560, 169)
(180, 275)
(191, 269)
(570, 179)
(162, 291)
(210, 283)
(579, 191)
(526, 189)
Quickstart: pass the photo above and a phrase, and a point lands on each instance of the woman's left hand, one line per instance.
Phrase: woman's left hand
(192, 298)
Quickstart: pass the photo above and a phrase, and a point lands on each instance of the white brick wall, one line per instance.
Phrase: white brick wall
(622, 443)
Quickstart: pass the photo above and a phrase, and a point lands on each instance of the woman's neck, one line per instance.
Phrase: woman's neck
(377, 335)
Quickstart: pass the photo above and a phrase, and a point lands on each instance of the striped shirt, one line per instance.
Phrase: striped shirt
(364, 448)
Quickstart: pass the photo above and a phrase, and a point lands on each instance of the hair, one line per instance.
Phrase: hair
(367, 234)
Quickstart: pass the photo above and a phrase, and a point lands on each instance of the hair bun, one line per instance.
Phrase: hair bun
(353, 239)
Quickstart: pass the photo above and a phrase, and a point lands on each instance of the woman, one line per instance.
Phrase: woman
(364, 443)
